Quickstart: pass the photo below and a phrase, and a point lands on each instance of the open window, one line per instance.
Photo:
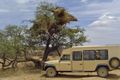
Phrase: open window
(89, 54)
(102, 54)
(65, 57)
(77, 55)
(95, 54)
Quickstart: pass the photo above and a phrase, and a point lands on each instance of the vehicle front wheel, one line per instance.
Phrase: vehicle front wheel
(102, 72)
(51, 72)
(114, 63)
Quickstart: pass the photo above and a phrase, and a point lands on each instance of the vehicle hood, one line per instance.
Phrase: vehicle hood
(52, 62)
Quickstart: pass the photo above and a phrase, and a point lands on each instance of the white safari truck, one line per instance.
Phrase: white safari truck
(101, 59)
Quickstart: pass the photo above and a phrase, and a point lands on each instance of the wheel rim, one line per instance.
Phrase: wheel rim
(115, 63)
(102, 72)
(51, 72)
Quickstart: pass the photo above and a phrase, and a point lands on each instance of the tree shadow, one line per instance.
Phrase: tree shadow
(113, 77)
(110, 77)
(74, 76)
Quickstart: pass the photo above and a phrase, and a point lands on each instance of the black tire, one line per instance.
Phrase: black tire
(51, 72)
(102, 72)
(114, 63)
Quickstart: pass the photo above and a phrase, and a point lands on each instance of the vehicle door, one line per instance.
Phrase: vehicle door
(65, 63)
(77, 63)
(89, 60)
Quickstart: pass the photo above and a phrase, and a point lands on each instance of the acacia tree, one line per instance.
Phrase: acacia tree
(11, 45)
(49, 29)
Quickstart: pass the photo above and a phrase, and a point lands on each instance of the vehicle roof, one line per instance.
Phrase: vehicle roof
(77, 48)
(97, 46)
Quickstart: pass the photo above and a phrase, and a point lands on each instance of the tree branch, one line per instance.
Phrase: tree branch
(1, 62)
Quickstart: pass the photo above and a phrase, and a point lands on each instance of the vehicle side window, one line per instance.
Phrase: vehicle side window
(65, 58)
(77, 55)
(102, 55)
(89, 55)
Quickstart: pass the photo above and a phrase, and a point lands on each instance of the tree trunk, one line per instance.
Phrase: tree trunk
(58, 52)
(4, 60)
(46, 52)
(14, 63)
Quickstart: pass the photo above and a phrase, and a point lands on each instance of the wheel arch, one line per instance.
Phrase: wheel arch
(115, 58)
(106, 66)
(47, 66)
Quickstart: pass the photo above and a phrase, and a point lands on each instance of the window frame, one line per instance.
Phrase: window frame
(81, 54)
(66, 59)
(102, 53)
(89, 53)
(98, 50)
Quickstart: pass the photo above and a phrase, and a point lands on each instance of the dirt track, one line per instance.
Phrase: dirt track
(35, 75)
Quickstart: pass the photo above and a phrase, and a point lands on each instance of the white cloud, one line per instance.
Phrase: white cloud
(51, 1)
(105, 30)
(22, 1)
(4, 10)
(112, 7)
(26, 10)
(104, 20)
(27, 1)
(84, 1)
(93, 8)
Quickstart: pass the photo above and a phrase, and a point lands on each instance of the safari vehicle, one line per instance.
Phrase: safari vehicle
(101, 59)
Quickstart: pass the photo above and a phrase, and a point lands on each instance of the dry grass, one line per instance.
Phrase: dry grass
(26, 71)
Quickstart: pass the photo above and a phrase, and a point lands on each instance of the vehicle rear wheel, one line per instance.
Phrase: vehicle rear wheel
(102, 72)
(51, 72)
(114, 63)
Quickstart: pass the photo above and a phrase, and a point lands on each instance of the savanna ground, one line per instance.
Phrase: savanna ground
(26, 71)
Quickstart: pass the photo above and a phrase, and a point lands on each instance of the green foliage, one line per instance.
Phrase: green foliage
(64, 36)
(43, 19)
(12, 40)
(69, 37)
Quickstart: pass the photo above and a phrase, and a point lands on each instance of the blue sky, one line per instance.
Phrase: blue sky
(100, 18)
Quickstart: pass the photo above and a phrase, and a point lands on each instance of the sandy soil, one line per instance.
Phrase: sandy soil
(29, 73)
